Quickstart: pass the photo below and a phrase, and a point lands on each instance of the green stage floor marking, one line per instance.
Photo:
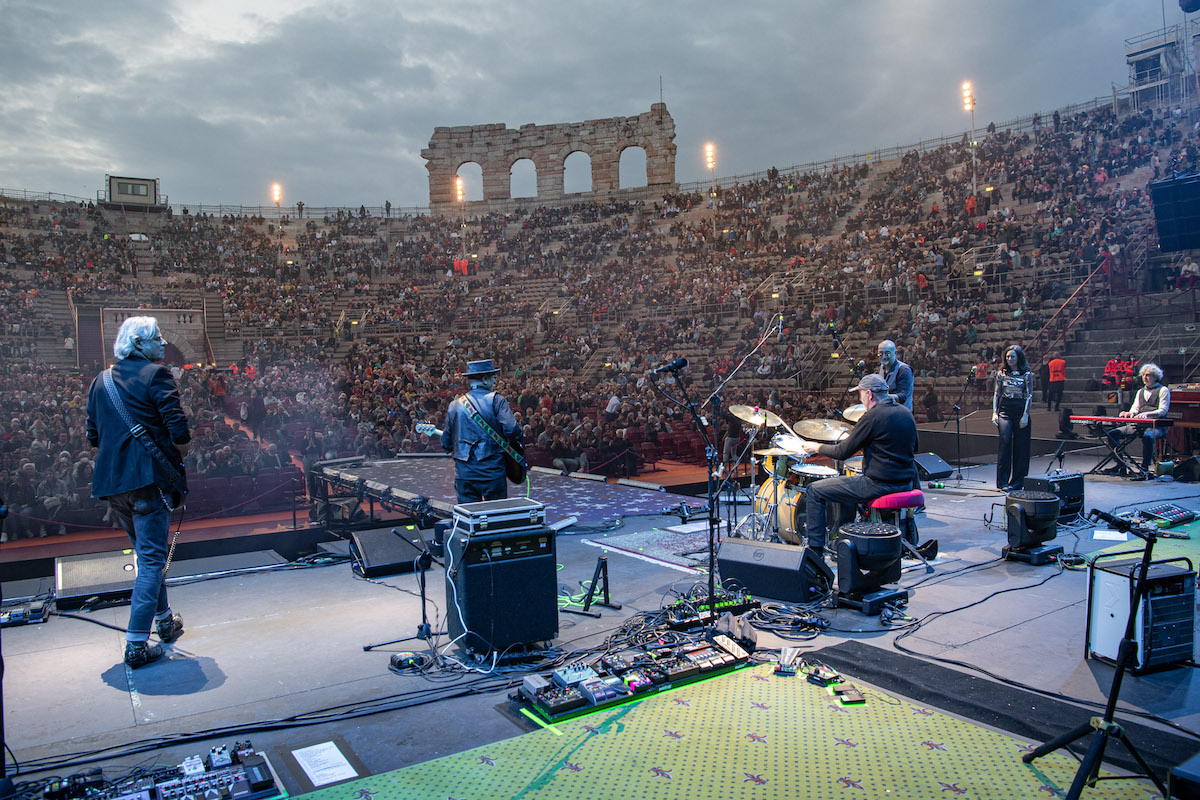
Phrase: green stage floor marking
(749, 734)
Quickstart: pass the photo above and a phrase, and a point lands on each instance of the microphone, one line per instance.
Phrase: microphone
(678, 363)
(1123, 525)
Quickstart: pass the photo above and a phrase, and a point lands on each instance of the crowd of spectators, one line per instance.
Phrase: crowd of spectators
(900, 251)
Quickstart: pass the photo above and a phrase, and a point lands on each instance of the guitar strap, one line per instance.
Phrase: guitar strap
(478, 419)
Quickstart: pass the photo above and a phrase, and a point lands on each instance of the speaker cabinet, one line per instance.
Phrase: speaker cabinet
(386, 551)
(501, 589)
(931, 467)
(1165, 625)
(1067, 486)
(1187, 470)
(1177, 212)
(777, 571)
(108, 577)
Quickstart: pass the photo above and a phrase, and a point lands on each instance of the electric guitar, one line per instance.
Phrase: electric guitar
(515, 465)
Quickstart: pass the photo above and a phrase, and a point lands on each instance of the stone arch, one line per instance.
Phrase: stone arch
(496, 147)
(523, 178)
(577, 172)
(472, 181)
(632, 161)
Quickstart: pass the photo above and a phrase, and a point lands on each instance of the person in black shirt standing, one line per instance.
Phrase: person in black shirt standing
(1010, 415)
(887, 436)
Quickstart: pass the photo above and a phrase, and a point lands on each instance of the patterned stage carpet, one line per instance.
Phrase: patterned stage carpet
(592, 501)
(750, 734)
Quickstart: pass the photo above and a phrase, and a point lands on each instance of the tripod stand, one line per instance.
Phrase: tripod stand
(1104, 727)
(424, 630)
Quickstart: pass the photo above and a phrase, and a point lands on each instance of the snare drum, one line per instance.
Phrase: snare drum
(787, 500)
(807, 473)
(853, 466)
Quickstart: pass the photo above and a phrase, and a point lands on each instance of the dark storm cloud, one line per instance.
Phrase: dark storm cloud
(336, 100)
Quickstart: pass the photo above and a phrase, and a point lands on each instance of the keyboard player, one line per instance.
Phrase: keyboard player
(1149, 402)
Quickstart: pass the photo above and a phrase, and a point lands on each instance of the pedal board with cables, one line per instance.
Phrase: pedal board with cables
(580, 688)
(223, 774)
(29, 613)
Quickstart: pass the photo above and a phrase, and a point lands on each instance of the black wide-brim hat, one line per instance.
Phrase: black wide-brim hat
(480, 369)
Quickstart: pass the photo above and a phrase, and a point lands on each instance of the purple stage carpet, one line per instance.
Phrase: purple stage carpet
(591, 501)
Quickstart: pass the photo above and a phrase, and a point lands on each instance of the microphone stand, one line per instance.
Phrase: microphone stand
(958, 418)
(712, 456)
(1105, 727)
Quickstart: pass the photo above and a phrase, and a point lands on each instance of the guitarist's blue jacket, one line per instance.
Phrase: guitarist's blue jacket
(476, 455)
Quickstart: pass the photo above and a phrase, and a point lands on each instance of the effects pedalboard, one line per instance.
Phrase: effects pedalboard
(583, 687)
(240, 774)
(27, 613)
(1168, 515)
(690, 614)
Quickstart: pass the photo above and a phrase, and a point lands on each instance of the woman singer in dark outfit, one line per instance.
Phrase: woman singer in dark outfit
(1010, 415)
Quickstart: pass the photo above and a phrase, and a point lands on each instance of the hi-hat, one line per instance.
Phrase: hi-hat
(776, 451)
(822, 430)
(854, 413)
(756, 416)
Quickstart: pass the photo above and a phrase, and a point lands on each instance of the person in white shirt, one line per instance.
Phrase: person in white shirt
(1150, 402)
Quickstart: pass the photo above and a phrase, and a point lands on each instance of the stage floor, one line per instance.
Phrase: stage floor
(277, 656)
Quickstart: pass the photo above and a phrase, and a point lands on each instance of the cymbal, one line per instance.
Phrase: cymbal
(776, 451)
(854, 413)
(756, 416)
(822, 430)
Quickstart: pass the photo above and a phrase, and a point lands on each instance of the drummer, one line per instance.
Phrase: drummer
(887, 436)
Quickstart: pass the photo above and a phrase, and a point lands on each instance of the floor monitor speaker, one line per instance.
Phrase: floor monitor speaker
(777, 571)
(386, 551)
(108, 577)
(931, 467)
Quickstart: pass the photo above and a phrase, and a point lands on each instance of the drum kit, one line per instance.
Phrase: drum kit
(778, 510)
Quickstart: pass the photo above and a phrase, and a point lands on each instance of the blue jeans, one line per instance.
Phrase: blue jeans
(1123, 434)
(842, 494)
(474, 490)
(1012, 460)
(146, 519)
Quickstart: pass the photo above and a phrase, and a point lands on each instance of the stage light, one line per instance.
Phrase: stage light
(868, 557)
(1032, 519)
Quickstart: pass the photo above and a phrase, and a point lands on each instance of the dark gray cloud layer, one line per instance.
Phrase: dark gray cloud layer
(336, 100)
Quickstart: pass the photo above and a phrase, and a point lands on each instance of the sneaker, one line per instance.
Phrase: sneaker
(139, 654)
(169, 629)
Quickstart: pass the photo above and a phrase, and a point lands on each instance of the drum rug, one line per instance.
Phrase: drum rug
(748, 734)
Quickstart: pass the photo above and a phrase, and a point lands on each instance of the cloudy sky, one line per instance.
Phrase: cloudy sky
(335, 99)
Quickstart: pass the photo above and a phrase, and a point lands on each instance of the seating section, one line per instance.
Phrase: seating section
(350, 328)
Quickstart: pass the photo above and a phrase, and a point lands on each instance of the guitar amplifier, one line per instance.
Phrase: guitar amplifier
(492, 516)
(1067, 486)
(501, 589)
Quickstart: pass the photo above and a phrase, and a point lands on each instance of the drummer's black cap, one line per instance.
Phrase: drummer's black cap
(872, 383)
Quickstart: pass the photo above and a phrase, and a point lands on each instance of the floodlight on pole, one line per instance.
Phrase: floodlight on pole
(710, 160)
(968, 93)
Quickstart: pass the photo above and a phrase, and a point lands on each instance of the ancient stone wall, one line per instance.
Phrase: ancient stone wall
(496, 148)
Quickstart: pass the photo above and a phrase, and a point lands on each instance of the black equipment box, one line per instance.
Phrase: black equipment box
(1067, 486)
(513, 514)
(501, 588)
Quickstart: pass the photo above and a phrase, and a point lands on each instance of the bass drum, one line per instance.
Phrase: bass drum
(789, 505)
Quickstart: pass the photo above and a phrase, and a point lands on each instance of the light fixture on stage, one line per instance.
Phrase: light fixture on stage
(868, 557)
(1032, 520)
